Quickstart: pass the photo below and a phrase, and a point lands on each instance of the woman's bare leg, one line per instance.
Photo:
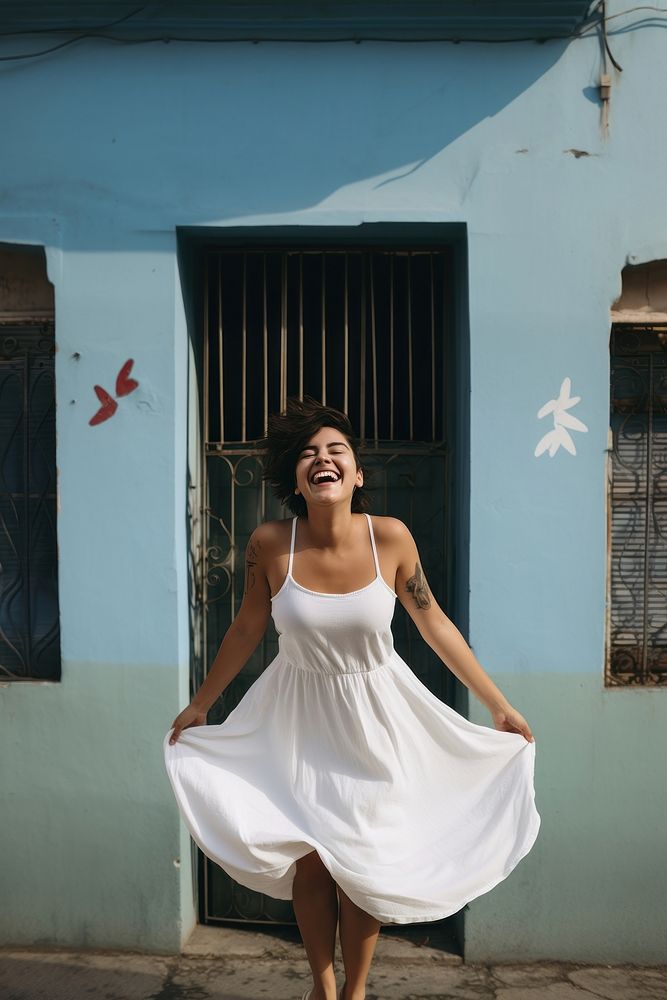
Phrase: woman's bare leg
(358, 937)
(316, 909)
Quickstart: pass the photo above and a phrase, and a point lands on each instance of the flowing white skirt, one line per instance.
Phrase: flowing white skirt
(413, 809)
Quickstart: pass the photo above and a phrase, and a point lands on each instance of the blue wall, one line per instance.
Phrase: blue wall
(107, 148)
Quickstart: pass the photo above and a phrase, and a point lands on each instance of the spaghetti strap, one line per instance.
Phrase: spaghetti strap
(370, 528)
(375, 551)
(291, 547)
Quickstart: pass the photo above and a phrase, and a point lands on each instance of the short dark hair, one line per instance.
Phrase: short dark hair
(288, 434)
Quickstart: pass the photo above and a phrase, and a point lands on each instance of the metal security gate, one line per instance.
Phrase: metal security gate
(369, 332)
(29, 605)
(636, 652)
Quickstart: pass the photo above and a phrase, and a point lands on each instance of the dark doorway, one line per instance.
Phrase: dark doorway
(373, 330)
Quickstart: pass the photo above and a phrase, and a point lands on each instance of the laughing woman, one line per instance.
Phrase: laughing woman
(340, 781)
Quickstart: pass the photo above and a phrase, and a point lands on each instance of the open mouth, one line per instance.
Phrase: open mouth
(325, 478)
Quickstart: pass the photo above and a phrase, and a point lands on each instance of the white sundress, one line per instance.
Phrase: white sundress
(338, 747)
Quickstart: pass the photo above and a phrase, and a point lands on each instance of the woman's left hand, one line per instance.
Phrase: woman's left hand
(510, 721)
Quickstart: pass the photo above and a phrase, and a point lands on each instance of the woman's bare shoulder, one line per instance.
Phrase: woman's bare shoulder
(391, 529)
(270, 533)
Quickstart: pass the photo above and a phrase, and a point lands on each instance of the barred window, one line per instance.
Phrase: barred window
(29, 609)
(637, 507)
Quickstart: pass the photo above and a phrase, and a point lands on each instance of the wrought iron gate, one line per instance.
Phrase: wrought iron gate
(29, 605)
(636, 652)
(367, 331)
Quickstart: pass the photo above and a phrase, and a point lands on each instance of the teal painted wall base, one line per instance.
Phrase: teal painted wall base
(93, 854)
(593, 887)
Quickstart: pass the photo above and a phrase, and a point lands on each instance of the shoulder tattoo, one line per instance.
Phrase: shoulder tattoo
(251, 559)
(417, 586)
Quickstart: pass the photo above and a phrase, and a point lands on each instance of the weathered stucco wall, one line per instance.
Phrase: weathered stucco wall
(106, 149)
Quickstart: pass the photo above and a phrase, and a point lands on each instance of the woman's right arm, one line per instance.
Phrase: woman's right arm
(241, 638)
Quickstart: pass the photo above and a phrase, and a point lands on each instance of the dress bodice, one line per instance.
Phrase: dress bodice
(334, 633)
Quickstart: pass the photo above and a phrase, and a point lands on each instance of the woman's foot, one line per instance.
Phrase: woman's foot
(314, 994)
(346, 994)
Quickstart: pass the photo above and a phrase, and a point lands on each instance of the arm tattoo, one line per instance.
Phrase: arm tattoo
(416, 585)
(251, 559)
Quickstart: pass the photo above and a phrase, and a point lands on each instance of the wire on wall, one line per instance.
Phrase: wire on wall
(596, 20)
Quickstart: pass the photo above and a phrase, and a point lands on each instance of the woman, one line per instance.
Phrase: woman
(340, 781)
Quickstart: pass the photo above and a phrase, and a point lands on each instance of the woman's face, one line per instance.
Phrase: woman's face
(327, 451)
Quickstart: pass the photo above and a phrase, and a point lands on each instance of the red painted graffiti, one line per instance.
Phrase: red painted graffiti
(124, 386)
(108, 407)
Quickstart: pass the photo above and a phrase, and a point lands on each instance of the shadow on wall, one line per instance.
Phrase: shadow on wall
(147, 137)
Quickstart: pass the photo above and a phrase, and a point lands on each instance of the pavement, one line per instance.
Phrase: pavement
(241, 964)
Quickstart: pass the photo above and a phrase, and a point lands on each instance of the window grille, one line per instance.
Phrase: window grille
(637, 508)
(361, 331)
(29, 612)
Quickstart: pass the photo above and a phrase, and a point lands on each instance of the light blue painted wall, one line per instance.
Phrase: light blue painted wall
(106, 149)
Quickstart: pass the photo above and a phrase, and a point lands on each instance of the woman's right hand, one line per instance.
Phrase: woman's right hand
(190, 716)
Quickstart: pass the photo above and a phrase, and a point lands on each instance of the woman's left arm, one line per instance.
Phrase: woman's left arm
(440, 633)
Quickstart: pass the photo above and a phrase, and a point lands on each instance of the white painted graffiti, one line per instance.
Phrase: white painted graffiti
(563, 420)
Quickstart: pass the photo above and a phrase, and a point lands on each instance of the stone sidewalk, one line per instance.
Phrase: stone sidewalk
(240, 965)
